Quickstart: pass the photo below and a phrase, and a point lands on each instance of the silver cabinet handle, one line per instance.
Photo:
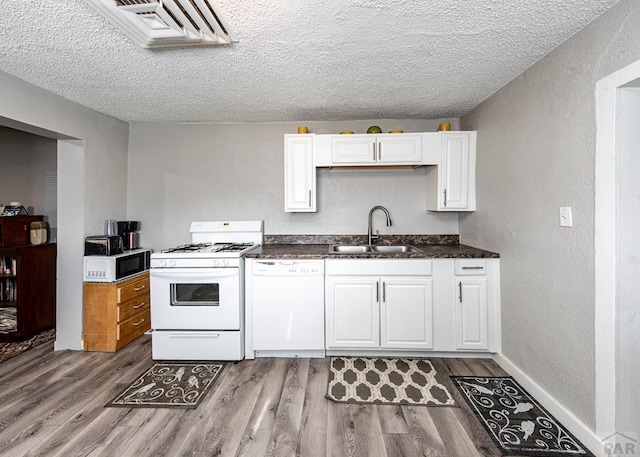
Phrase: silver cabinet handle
(135, 324)
(378, 292)
(374, 151)
(460, 289)
(384, 292)
(445, 198)
(473, 268)
(379, 151)
(139, 288)
(309, 198)
(139, 306)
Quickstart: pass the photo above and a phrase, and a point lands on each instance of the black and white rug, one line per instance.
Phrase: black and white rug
(386, 381)
(514, 420)
(169, 386)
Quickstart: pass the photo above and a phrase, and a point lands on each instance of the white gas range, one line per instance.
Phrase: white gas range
(197, 292)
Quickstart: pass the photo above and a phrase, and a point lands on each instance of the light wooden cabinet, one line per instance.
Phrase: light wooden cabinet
(370, 149)
(392, 309)
(115, 314)
(299, 174)
(451, 184)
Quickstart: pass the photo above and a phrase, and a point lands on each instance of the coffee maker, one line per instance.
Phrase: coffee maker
(128, 230)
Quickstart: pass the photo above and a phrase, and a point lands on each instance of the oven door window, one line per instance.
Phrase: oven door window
(195, 294)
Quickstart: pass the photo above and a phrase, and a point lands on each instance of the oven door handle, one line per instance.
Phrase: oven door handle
(170, 273)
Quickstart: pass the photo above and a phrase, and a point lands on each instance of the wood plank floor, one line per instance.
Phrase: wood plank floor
(52, 404)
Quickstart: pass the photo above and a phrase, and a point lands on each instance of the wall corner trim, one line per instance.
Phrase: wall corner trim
(555, 408)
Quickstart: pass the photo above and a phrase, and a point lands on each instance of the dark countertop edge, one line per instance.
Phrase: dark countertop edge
(321, 251)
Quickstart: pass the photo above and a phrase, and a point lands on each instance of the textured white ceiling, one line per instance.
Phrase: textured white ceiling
(296, 60)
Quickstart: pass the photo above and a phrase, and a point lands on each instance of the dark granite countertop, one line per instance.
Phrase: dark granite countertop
(317, 247)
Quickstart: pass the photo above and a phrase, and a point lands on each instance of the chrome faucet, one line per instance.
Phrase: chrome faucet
(370, 231)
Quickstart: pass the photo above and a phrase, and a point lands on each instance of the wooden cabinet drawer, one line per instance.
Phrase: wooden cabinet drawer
(132, 307)
(135, 325)
(128, 290)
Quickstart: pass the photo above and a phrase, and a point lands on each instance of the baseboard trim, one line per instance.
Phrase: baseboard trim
(566, 417)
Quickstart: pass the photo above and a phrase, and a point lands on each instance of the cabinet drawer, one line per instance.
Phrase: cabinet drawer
(132, 307)
(378, 267)
(137, 324)
(470, 267)
(133, 289)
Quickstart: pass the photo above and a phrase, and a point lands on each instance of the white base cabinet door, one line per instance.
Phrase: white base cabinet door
(352, 312)
(471, 313)
(406, 308)
(379, 304)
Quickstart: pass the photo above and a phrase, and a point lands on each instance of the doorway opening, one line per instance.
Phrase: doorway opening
(69, 228)
(617, 255)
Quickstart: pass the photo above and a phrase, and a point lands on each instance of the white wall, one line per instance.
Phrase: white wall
(25, 159)
(536, 146)
(184, 172)
(104, 196)
(628, 261)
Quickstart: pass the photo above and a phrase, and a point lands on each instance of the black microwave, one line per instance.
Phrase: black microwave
(99, 268)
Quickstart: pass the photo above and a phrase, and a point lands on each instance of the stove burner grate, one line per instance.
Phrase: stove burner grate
(188, 247)
(231, 247)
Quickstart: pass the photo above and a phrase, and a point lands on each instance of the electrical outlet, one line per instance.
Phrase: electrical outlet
(565, 217)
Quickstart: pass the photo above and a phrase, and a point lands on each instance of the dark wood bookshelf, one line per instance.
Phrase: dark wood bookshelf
(34, 286)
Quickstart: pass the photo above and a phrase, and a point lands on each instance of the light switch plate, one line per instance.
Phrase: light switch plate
(566, 219)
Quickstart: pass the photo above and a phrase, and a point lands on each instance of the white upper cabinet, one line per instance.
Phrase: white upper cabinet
(450, 158)
(451, 185)
(299, 174)
(369, 149)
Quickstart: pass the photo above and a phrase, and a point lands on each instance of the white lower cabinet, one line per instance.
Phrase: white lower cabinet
(379, 304)
(442, 305)
(352, 312)
(471, 313)
(406, 313)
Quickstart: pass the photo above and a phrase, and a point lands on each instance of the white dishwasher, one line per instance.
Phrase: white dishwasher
(288, 308)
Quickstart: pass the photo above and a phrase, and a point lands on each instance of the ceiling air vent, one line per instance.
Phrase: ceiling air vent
(158, 23)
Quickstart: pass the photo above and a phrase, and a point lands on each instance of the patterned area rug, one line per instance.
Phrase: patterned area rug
(514, 420)
(386, 381)
(9, 350)
(8, 321)
(169, 386)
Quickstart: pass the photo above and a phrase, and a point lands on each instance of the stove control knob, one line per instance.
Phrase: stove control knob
(216, 263)
(172, 263)
(163, 263)
(225, 262)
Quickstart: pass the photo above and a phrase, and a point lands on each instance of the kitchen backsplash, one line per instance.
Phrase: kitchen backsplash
(361, 239)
